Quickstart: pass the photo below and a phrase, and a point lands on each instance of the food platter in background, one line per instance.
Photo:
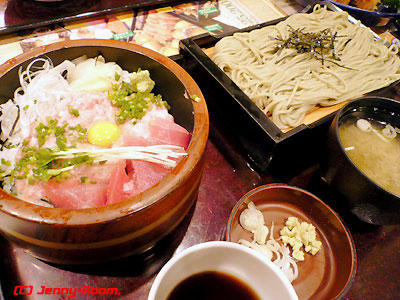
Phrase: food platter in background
(370, 18)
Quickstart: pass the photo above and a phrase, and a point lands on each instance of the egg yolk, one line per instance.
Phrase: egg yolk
(103, 134)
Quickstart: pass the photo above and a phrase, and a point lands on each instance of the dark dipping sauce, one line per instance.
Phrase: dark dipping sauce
(212, 285)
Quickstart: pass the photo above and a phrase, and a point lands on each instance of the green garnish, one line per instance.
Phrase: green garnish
(195, 98)
(84, 179)
(41, 164)
(319, 44)
(9, 145)
(73, 111)
(81, 132)
(5, 162)
(44, 131)
(135, 98)
(31, 180)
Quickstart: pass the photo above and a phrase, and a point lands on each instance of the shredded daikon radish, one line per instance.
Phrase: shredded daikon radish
(39, 92)
(42, 87)
(273, 245)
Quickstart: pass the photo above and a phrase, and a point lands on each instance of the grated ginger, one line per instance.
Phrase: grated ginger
(297, 235)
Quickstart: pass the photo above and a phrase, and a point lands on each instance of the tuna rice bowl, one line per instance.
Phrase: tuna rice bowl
(86, 133)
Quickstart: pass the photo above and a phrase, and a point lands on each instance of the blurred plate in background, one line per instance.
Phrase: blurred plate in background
(368, 18)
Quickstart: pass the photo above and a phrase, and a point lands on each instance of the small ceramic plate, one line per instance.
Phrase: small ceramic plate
(329, 273)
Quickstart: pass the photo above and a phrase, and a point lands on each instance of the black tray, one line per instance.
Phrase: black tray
(266, 147)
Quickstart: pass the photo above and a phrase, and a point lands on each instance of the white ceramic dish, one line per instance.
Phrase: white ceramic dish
(261, 275)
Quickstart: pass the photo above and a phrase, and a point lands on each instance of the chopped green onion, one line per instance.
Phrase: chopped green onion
(73, 111)
(133, 103)
(195, 98)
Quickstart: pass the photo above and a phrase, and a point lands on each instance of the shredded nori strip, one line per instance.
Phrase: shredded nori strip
(320, 44)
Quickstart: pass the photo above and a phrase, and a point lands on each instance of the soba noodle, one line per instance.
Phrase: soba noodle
(288, 84)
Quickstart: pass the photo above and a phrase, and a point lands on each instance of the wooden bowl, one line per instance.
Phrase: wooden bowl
(328, 274)
(77, 236)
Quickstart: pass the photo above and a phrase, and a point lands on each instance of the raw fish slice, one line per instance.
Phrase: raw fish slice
(146, 174)
(71, 193)
(134, 140)
(137, 177)
(92, 108)
(121, 185)
(156, 128)
(31, 193)
(169, 133)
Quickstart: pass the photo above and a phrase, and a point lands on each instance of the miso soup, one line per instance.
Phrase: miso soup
(374, 150)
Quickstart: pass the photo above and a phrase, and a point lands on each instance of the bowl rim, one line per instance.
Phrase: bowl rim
(23, 210)
(347, 232)
(220, 244)
(340, 114)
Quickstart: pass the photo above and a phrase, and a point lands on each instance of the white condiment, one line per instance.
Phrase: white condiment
(263, 249)
(389, 132)
(251, 218)
(260, 234)
(364, 125)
